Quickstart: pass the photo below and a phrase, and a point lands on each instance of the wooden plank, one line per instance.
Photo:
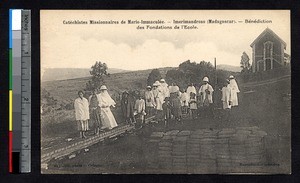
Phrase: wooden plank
(83, 144)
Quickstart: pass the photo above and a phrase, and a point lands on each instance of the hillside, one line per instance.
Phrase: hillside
(53, 74)
(229, 68)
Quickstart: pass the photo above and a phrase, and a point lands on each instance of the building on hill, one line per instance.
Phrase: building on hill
(267, 51)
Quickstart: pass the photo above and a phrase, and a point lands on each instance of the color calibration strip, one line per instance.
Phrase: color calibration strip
(19, 91)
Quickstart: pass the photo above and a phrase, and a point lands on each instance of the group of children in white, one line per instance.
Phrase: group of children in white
(159, 100)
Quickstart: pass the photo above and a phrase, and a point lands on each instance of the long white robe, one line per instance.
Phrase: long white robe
(159, 99)
(203, 94)
(165, 90)
(234, 90)
(108, 119)
(81, 109)
(226, 97)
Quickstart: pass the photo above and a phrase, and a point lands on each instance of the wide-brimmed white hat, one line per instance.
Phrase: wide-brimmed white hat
(157, 83)
(205, 79)
(231, 77)
(103, 87)
(162, 80)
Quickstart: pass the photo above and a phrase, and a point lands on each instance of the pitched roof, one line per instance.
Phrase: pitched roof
(267, 30)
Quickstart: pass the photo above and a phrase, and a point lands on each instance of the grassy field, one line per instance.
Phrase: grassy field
(66, 90)
(264, 104)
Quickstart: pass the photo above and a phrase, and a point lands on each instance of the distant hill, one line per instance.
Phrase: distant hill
(53, 74)
(229, 68)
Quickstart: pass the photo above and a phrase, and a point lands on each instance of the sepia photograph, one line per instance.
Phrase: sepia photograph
(165, 91)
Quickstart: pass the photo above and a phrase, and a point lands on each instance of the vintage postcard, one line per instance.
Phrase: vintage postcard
(165, 92)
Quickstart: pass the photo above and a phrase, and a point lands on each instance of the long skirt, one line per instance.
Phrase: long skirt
(95, 116)
(108, 119)
(177, 112)
(234, 98)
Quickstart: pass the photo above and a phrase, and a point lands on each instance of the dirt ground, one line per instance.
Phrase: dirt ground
(128, 153)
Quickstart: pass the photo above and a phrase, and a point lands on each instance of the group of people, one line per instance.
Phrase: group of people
(168, 102)
(160, 100)
(96, 109)
(133, 110)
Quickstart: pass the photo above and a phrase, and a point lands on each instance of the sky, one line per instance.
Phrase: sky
(123, 46)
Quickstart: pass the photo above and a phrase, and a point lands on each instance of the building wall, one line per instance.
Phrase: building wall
(258, 52)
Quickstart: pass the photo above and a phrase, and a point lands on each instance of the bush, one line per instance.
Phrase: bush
(154, 75)
(98, 70)
(192, 72)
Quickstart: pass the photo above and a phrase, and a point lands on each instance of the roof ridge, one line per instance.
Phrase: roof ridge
(268, 30)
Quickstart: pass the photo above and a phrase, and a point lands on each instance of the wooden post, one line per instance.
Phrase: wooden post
(215, 72)
(216, 79)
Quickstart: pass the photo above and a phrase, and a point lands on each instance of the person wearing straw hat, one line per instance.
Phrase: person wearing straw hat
(205, 95)
(82, 114)
(106, 102)
(149, 99)
(234, 91)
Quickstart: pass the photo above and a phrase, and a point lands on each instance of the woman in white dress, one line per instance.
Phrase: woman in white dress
(234, 91)
(105, 102)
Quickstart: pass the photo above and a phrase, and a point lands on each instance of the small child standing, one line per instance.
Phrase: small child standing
(139, 108)
(193, 105)
(184, 99)
(167, 108)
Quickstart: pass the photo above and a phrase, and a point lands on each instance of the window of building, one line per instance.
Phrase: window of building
(268, 55)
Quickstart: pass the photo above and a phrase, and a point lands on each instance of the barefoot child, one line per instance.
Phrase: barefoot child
(167, 108)
(139, 108)
(193, 105)
(95, 113)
